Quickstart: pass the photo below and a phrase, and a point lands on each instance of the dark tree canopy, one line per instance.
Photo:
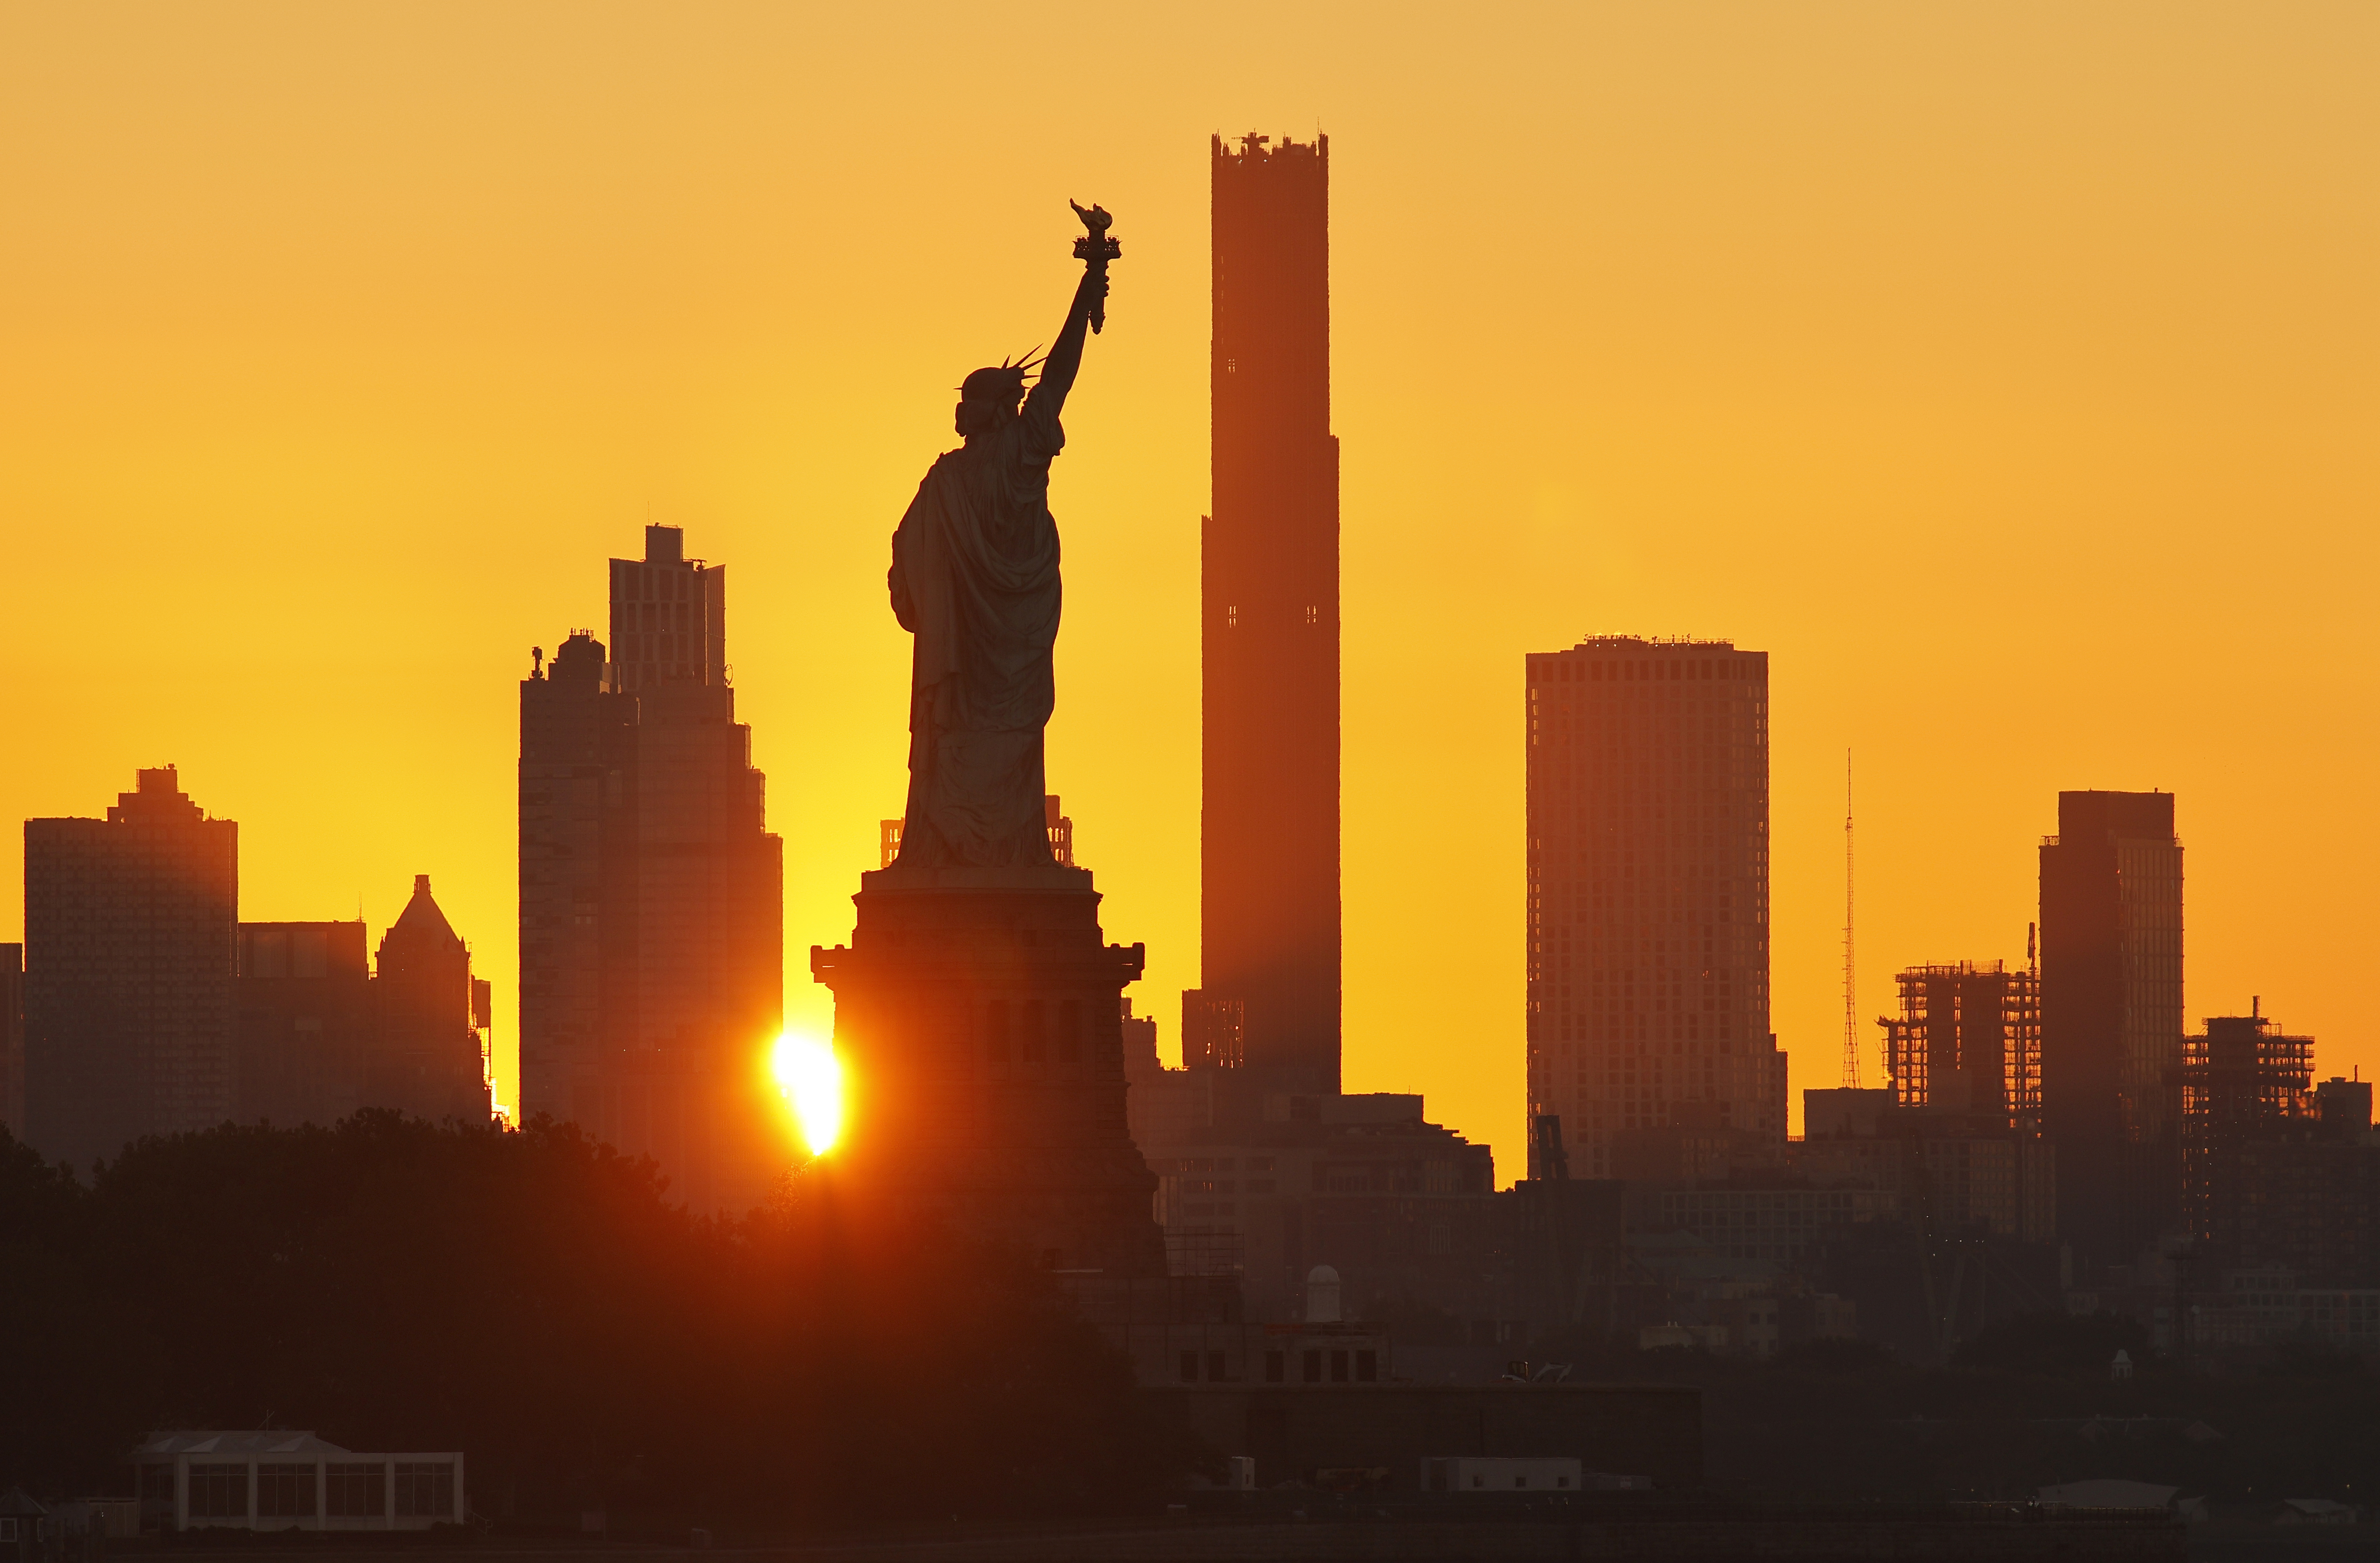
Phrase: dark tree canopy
(534, 1300)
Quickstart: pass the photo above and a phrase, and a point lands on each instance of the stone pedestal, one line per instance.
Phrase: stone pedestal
(976, 1011)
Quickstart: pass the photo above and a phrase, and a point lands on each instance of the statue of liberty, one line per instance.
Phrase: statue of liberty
(975, 580)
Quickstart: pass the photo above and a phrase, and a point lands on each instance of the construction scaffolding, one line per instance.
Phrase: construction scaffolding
(2241, 1082)
(1967, 1039)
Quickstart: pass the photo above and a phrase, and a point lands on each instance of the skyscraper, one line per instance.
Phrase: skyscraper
(129, 951)
(1269, 620)
(430, 1054)
(2111, 1017)
(651, 892)
(304, 1003)
(1648, 893)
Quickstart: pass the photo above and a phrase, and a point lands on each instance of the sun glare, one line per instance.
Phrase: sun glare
(811, 1078)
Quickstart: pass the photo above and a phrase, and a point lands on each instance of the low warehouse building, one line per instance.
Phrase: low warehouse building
(281, 1481)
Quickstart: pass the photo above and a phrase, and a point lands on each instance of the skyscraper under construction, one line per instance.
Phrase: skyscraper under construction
(1270, 918)
(1648, 894)
(652, 894)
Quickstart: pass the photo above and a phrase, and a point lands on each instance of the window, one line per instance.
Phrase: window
(996, 1031)
(1310, 1366)
(1367, 1368)
(1030, 1016)
(1276, 1367)
(219, 1492)
(1070, 1031)
(284, 1491)
(1338, 1367)
(1189, 1367)
(425, 1487)
(8, 1528)
(1214, 1367)
(157, 1484)
(356, 1490)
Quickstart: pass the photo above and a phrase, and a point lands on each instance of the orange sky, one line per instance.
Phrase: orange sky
(2006, 372)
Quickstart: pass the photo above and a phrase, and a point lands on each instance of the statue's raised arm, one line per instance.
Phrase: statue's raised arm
(1094, 249)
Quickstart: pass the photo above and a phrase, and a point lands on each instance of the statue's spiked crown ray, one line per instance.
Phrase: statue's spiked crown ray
(1003, 382)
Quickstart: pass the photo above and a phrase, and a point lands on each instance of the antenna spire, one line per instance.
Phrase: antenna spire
(1851, 969)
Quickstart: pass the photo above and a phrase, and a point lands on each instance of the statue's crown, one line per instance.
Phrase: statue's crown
(1003, 383)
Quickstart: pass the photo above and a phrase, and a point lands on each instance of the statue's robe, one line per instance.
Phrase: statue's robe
(975, 579)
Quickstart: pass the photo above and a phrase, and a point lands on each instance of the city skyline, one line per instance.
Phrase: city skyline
(1748, 395)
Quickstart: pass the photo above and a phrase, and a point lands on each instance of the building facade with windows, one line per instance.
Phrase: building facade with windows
(2111, 1019)
(287, 1481)
(651, 891)
(129, 925)
(1647, 923)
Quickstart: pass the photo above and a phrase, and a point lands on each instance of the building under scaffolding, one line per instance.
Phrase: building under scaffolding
(1968, 1040)
(2242, 1083)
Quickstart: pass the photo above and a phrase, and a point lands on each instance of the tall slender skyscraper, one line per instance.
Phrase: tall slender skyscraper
(1648, 893)
(2112, 1018)
(130, 924)
(651, 892)
(1270, 916)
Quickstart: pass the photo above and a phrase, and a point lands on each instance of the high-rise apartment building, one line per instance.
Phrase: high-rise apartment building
(129, 960)
(2112, 1018)
(1648, 893)
(651, 899)
(1270, 920)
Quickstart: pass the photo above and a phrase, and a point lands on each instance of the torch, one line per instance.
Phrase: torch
(1094, 249)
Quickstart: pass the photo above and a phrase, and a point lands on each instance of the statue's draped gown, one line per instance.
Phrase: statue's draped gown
(975, 579)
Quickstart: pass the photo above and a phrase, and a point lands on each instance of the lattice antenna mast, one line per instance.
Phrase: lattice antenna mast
(1850, 968)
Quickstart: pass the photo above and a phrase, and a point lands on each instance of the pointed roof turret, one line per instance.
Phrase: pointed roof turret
(421, 920)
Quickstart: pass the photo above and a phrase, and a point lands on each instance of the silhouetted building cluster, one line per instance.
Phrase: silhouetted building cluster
(2047, 1136)
(319, 1035)
(652, 890)
(2048, 1139)
(145, 1006)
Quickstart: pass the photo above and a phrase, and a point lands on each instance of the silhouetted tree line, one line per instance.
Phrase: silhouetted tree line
(534, 1300)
